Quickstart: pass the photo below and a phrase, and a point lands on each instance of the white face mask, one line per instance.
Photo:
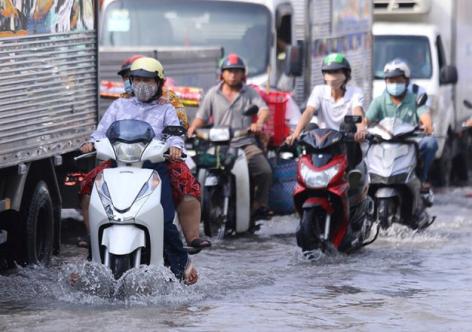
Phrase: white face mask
(334, 81)
(145, 91)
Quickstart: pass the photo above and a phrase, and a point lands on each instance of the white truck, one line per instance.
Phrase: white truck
(435, 38)
(48, 108)
(273, 36)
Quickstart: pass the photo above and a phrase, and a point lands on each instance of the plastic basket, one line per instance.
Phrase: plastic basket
(276, 126)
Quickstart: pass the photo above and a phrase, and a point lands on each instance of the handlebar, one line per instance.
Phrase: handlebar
(85, 155)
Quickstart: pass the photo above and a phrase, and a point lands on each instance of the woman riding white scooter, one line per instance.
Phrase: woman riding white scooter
(147, 77)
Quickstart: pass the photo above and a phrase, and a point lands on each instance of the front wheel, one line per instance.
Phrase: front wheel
(119, 264)
(386, 210)
(308, 235)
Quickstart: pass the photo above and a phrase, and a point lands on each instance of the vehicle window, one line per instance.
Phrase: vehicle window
(238, 27)
(414, 50)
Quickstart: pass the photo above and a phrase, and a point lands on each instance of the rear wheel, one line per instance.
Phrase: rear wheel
(119, 264)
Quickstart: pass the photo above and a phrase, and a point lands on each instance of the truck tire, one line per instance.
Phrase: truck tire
(39, 226)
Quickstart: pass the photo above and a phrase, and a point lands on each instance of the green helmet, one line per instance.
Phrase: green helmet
(335, 61)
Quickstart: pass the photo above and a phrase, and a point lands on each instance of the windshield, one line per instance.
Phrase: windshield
(241, 28)
(130, 131)
(414, 50)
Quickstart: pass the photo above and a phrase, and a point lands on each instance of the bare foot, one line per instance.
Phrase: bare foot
(190, 274)
(74, 278)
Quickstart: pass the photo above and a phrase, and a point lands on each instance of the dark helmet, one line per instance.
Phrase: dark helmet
(335, 61)
(232, 61)
(126, 65)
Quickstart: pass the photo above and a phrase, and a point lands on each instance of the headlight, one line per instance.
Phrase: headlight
(314, 179)
(219, 134)
(104, 194)
(149, 186)
(128, 153)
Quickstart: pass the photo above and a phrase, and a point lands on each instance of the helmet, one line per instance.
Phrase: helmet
(126, 65)
(147, 67)
(396, 67)
(232, 61)
(335, 61)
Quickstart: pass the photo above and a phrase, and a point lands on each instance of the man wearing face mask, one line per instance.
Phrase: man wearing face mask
(147, 78)
(333, 100)
(397, 101)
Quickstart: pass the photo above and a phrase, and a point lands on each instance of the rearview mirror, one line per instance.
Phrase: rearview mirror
(174, 131)
(421, 99)
(448, 75)
(252, 110)
(467, 104)
(294, 60)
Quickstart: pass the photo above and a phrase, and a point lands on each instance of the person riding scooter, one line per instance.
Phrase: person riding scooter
(185, 188)
(396, 101)
(224, 105)
(147, 78)
(331, 103)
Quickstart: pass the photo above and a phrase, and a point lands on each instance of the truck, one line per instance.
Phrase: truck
(48, 108)
(435, 38)
(282, 41)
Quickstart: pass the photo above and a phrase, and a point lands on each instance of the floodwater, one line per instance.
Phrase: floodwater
(404, 281)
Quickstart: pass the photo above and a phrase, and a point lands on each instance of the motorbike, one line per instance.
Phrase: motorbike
(395, 188)
(126, 217)
(224, 175)
(332, 200)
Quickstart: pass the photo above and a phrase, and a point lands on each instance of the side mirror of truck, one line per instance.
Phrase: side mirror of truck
(467, 104)
(294, 60)
(448, 75)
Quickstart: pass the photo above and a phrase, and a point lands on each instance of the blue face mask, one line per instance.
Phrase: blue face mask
(128, 87)
(396, 89)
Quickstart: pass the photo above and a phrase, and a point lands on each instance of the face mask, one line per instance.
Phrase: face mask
(144, 91)
(128, 87)
(396, 89)
(335, 81)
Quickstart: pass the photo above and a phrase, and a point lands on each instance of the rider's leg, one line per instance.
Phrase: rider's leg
(174, 253)
(428, 147)
(186, 195)
(84, 205)
(261, 176)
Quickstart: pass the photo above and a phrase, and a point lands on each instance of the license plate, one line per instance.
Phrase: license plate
(211, 181)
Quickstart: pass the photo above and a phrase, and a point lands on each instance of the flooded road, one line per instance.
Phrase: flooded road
(404, 281)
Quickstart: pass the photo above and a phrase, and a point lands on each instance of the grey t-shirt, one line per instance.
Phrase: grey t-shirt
(218, 110)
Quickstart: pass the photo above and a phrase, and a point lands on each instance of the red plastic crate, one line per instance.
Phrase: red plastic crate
(276, 126)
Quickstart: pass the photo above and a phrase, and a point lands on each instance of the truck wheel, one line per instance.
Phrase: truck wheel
(39, 226)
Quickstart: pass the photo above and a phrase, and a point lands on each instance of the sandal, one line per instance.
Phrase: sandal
(200, 243)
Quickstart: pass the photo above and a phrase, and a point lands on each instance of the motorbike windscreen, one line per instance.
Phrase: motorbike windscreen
(414, 50)
(130, 131)
(238, 27)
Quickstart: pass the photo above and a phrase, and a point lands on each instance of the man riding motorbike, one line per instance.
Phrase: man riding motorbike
(331, 102)
(147, 79)
(397, 101)
(224, 105)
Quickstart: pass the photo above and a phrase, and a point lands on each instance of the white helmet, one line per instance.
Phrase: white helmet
(396, 67)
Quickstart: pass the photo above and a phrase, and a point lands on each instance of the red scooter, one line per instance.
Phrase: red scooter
(331, 197)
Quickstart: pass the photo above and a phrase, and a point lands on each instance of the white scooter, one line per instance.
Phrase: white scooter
(394, 186)
(126, 216)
